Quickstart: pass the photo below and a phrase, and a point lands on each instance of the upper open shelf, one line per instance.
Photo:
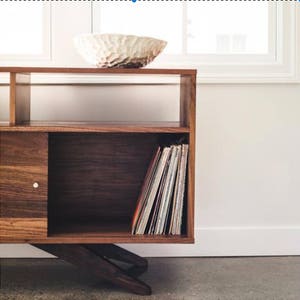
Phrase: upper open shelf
(20, 102)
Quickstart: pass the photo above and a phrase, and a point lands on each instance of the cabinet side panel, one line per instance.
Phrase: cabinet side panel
(188, 118)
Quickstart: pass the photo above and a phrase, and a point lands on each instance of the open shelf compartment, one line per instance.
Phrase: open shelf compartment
(95, 180)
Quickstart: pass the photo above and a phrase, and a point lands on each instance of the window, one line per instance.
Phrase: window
(225, 40)
(228, 28)
(24, 30)
(228, 41)
(193, 27)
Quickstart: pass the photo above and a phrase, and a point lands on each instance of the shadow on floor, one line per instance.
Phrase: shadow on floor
(170, 278)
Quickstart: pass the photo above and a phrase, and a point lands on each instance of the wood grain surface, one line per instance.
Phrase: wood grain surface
(16, 183)
(23, 208)
(97, 175)
(20, 229)
(146, 127)
(100, 239)
(95, 170)
(23, 149)
(19, 98)
(97, 70)
(188, 118)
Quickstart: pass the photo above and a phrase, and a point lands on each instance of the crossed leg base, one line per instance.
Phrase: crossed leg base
(96, 259)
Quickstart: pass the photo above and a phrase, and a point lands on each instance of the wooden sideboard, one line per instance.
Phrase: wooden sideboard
(70, 188)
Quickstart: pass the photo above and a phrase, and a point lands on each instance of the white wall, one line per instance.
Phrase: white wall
(247, 161)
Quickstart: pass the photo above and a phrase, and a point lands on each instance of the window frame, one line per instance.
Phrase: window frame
(284, 69)
(276, 66)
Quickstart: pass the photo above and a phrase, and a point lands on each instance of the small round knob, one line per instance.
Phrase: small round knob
(35, 185)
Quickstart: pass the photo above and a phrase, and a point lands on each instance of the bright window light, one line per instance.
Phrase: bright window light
(21, 28)
(227, 27)
(156, 19)
(196, 27)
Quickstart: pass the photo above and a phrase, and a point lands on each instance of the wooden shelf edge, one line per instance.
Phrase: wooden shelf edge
(161, 127)
(103, 240)
(98, 70)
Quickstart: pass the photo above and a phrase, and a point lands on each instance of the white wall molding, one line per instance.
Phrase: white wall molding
(231, 241)
(54, 79)
(210, 241)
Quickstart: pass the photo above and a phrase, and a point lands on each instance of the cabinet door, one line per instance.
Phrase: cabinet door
(23, 185)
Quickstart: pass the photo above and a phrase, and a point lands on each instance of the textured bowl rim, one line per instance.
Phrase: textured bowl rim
(118, 34)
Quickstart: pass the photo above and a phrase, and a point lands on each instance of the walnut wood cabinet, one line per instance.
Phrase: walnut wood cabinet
(71, 188)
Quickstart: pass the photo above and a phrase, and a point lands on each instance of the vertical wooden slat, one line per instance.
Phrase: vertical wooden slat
(19, 98)
(186, 96)
(188, 118)
(12, 99)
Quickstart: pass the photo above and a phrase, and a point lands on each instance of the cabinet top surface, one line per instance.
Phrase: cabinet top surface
(98, 70)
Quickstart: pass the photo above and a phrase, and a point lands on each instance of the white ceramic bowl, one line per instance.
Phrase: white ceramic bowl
(118, 50)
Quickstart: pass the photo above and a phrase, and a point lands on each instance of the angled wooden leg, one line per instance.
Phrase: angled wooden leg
(118, 253)
(111, 251)
(99, 266)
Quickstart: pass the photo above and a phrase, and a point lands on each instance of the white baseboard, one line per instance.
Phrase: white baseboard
(210, 241)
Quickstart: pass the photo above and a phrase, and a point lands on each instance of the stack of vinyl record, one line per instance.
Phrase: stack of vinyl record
(160, 204)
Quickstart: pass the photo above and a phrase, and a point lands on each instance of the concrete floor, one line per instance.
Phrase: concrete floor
(171, 278)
